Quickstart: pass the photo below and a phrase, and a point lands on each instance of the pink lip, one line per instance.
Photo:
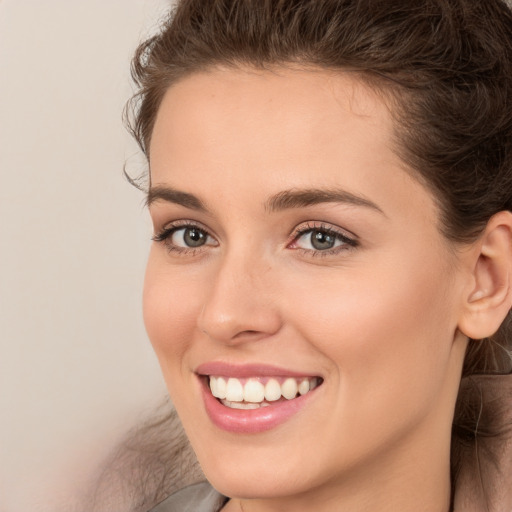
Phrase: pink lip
(249, 421)
(247, 370)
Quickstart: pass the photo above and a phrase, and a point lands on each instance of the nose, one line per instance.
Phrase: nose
(241, 301)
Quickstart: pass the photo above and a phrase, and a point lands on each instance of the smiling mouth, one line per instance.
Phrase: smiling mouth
(257, 392)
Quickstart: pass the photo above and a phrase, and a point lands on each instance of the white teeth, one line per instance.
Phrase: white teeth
(218, 387)
(241, 405)
(304, 387)
(272, 390)
(289, 388)
(234, 391)
(254, 393)
(221, 387)
(213, 386)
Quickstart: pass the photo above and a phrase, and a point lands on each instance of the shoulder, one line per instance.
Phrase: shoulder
(201, 497)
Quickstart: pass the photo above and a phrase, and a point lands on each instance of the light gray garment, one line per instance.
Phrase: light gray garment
(201, 497)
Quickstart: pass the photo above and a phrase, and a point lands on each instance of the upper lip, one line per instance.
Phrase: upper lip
(219, 368)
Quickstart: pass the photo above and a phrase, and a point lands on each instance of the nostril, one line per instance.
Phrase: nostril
(248, 333)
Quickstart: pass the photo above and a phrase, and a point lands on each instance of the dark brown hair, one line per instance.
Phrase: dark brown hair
(446, 65)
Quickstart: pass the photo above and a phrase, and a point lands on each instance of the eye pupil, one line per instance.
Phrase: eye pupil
(322, 240)
(194, 237)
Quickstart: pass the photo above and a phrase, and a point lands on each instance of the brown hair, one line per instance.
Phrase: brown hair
(446, 65)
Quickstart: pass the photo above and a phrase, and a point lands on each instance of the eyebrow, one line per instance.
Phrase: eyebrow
(171, 195)
(300, 198)
(287, 199)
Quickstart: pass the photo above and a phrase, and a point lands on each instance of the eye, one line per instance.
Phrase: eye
(185, 237)
(321, 239)
(188, 237)
(318, 240)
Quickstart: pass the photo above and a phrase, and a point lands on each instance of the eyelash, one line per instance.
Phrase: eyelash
(166, 233)
(348, 241)
(309, 227)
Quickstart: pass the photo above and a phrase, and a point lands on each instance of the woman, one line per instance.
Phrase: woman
(330, 184)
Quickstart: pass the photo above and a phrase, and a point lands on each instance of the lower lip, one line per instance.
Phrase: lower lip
(251, 421)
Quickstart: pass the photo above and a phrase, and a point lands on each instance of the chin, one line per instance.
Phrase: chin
(252, 471)
(250, 482)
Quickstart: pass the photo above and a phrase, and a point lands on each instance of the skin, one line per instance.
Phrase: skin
(378, 321)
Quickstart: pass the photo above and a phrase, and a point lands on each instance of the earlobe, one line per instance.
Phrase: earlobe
(490, 298)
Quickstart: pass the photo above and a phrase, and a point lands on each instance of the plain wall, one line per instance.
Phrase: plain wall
(76, 369)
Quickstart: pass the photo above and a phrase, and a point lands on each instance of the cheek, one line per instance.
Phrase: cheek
(171, 308)
(387, 333)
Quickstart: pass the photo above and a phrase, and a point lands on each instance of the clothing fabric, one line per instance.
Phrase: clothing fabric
(482, 473)
(200, 497)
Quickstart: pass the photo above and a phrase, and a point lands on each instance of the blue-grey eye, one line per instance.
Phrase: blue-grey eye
(189, 237)
(319, 240)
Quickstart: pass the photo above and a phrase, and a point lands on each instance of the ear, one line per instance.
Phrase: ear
(489, 297)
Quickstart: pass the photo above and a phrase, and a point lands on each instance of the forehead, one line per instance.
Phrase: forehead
(263, 116)
(250, 133)
(292, 110)
(284, 85)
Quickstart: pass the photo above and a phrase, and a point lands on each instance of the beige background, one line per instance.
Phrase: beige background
(76, 369)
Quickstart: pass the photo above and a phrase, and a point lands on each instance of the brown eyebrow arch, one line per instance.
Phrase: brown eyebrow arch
(287, 199)
(171, 195)
(300, 198)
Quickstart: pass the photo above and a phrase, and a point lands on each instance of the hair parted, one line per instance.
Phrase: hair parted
(446, 66)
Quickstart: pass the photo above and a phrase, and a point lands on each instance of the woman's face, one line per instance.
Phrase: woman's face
(292, 250)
